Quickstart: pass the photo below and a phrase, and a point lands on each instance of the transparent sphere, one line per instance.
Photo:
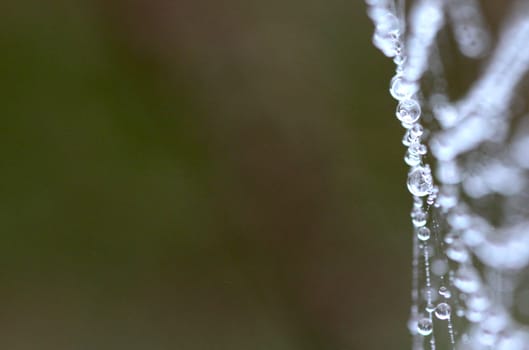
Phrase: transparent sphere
(412, 159)
(419, 217)
(457, 251)
(424, 326)
(430, 307)
(402, 89)
(445, 292)
(408, 111)
(420, 182)
(417, 130)
(423, 233)
(443, 311)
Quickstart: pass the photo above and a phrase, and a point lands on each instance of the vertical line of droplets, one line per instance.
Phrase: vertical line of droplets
(426, 18)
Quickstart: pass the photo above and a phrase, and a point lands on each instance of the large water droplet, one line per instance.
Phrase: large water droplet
(420, 182)
(408, 111)
(443, 311)
(424, 326)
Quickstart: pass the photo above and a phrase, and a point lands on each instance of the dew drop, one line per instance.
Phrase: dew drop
(416, 130)
(423, 233)
(430, 307)
(412, 324)
(457, 251)
(401, 89)
(386, 22)
(445, 292)
(439, 267)
(467, 279)
(417, 148)
(443, 311)
(478, 301)
(408, 111)
(420, 182)
(418, 217)
(424, 326)
(412, 159)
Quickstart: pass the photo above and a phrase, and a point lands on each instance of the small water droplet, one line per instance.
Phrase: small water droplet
(445, 292)
(412, 324)
(450, 237)
(467, 279)
(416, 130)
(443, 311)
(417, 148)
(420, 182)
(457, 251)
(408, 111)
(439, 267)
(412, 159)
(430, 307)
(424, 326)
(386, 22)
(423, 233)
(478, 301)
(448, 197)
(399, 59)
(418, 217)
(401, 89)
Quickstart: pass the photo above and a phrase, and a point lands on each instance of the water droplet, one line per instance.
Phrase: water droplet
(420, 182)
(386, 22)
(407, 139)
(412, 159)
(424, 326)
(467, 279)
(417, 148)
(450, 237)
(418, 217)
(429, 293)
(439, 267)
(399, 59)
(443, 311)
(401, 89)
(423, 233)
(448, 172)
(459, 218)
(412, 324)
(416, 130)
(478, 301)
(386, 43)
(445, 292)
(430, 307)
(448, 197)
(408, 111)
(486, 337)
(474, 315)
(457, 251)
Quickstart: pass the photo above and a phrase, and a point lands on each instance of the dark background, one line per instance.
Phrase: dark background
(199, 175)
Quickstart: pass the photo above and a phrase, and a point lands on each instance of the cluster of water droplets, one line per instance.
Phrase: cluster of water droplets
(468, 263)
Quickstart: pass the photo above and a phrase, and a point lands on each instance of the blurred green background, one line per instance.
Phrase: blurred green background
(199, 175)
